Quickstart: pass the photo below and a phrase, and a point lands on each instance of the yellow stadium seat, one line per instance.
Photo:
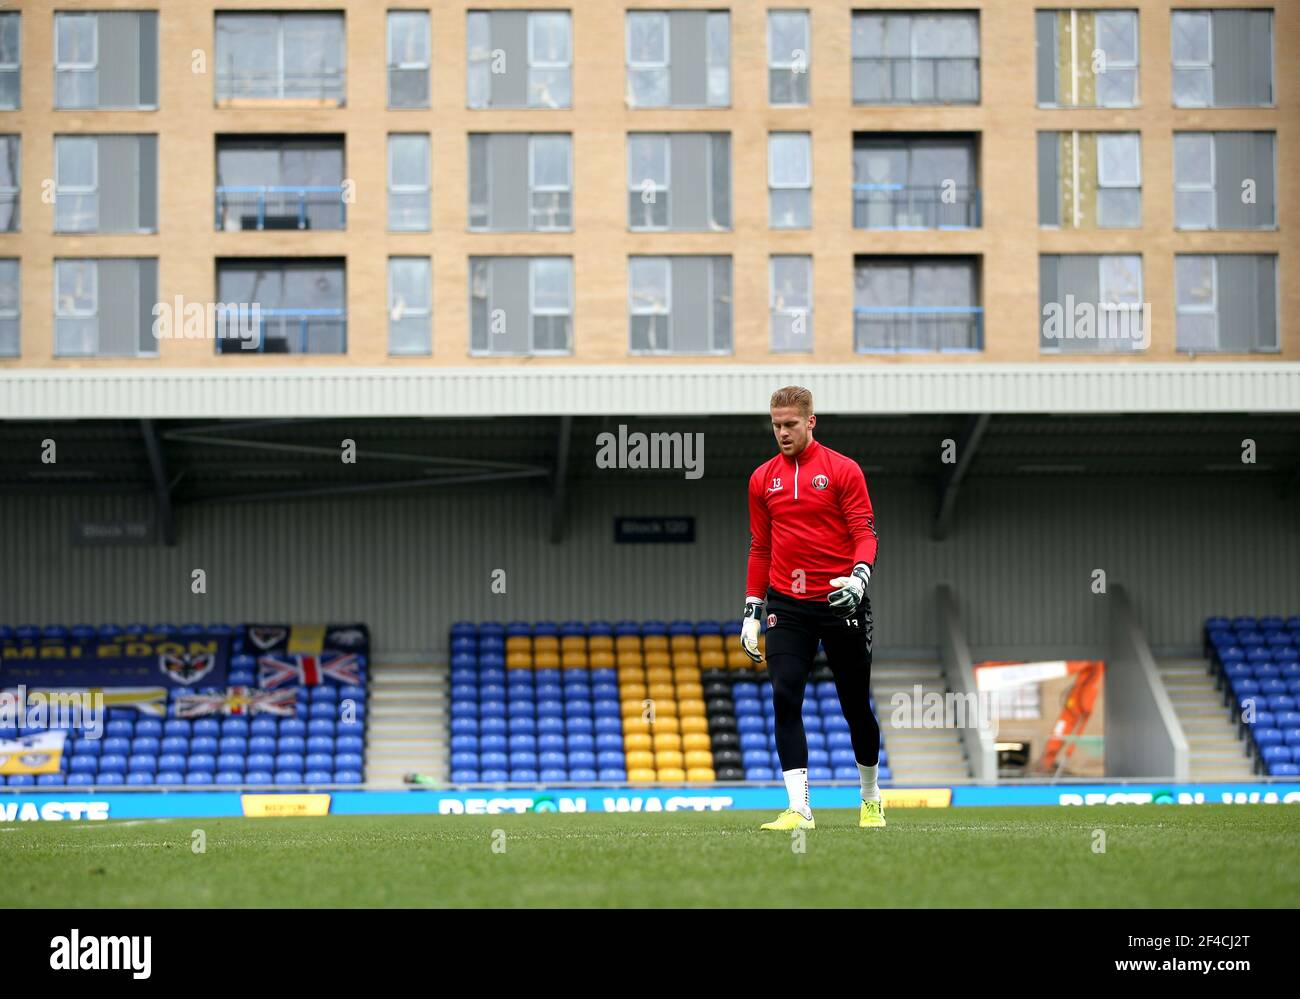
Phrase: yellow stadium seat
(628, 643)
(659, 674)
(600, 643)
(546, 660)
(573, 643)
(709, 643)
(636, 708)
(631, 674)
(632, 690)
(689, 660)
(691, 708)
(638, 759)
(662, 724)
(667, 742)
(682, 643)
(701, 775)
(694, 740)
(625, 659)
(695, 723)
(638, 740)
(690, 692)
(546, 643)
(664, 707)
(736, 659)
(672, 775)
(635, 726)
(714, 659)
(655, 643)
(697, 758)
(655, 659)
(573, 660)
(662, 691)
(519, 660)
(641, 776)
(519, 643)
(668, 758)
(601, 659)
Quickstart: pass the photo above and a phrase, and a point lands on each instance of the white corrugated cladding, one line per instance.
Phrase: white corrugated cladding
(1098, 387)
(1021, 558)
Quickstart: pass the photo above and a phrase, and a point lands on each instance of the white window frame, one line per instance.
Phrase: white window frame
(709, 65)
(1134, 65)
(478, 63)
(15, 67)
(487, 298)
(414, 312)
(92, 313)
(427, 65)
(1191, 188)
(667, 186)
(788, 63)
(425, 188)
(16, 313)
(535, 188)
(534, 310)
(1207, 66)
(75, 190)
(1199, 310)
(61, 17)
(805, 184)
(667, 264)
(774, 311)
(534, 63)
(632, 66)
(1103, 184)
(1107, 306)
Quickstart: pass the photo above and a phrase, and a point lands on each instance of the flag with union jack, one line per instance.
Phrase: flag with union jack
(237, 701)
(278, 671)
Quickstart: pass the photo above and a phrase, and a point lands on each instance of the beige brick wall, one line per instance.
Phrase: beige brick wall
(1007, 119)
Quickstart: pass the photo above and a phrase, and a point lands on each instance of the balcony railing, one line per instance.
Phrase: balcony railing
(294, 331)
(270, 207)
(928, 328)
(897, 206)
(270, 85)
(916, 79)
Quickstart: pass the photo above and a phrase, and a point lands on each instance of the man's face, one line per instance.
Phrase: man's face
(792, 429)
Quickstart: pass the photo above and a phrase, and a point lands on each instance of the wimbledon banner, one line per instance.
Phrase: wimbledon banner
(141, 660)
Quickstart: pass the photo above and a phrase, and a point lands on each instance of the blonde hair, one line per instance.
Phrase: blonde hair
(792, 396)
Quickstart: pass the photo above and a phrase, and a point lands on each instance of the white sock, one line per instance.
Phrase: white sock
(870, 792)
(796, 786)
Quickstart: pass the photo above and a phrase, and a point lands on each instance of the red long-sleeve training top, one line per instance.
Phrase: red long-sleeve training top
(810, 520)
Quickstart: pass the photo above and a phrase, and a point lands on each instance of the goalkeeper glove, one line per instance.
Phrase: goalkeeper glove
(849, 590)
(750, 627)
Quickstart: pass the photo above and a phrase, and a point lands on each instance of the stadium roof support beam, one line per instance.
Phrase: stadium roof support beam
(161, 489)
(952, 478)
(371, 487)
(560, 478)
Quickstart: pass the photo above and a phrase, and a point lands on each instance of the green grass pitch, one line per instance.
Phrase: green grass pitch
(1154, 856)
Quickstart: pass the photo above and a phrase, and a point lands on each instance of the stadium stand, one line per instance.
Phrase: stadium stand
(1257, 662)
(625, 701)
(309, 730)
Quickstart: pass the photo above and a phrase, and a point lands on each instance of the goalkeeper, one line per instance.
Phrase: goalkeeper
(811, 551)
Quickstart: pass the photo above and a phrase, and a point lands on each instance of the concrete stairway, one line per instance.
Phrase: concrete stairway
(406, 726)
(1215, 752)
(916, 755)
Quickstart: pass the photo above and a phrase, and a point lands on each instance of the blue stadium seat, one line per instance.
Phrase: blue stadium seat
(21, 780)
(465, 776)
(554, 774)
(582, 774)
(288, 777)
(612, 775)
(291, 744)
(258, 777)
(348, 777)
(285, 761)
(227, 762)
(112, 763)
(50, 780)
(87, 780)
(203, 744)
(760, 773)
(142, 763)
(318, 777)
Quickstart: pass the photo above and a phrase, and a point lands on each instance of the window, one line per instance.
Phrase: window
(916, 304)
(914, 58)
(550, 182)
(1090, 179)
(1087, 58)
(788, 57)
(679, 304)
(521, 305)
(679, 181)
(914, 181)
(10, 307)
(700, 76)
(791, 305)
(408, 182)
(519, 59)
(1240, 287)
(520, 181)
(408, 59)
(106, 59)
(290, 56)
(1092, 304)
(104, 307)
(11, 97)
(302, 304)
(789, 173)
(76, 184)
(410, 305)
(1224, 180)
(1222, 58)
(76, 60)
(280, 182)
(10, 182)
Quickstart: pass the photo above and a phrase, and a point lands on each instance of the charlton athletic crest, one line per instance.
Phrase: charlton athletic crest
(771, 620)
(820, 482)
